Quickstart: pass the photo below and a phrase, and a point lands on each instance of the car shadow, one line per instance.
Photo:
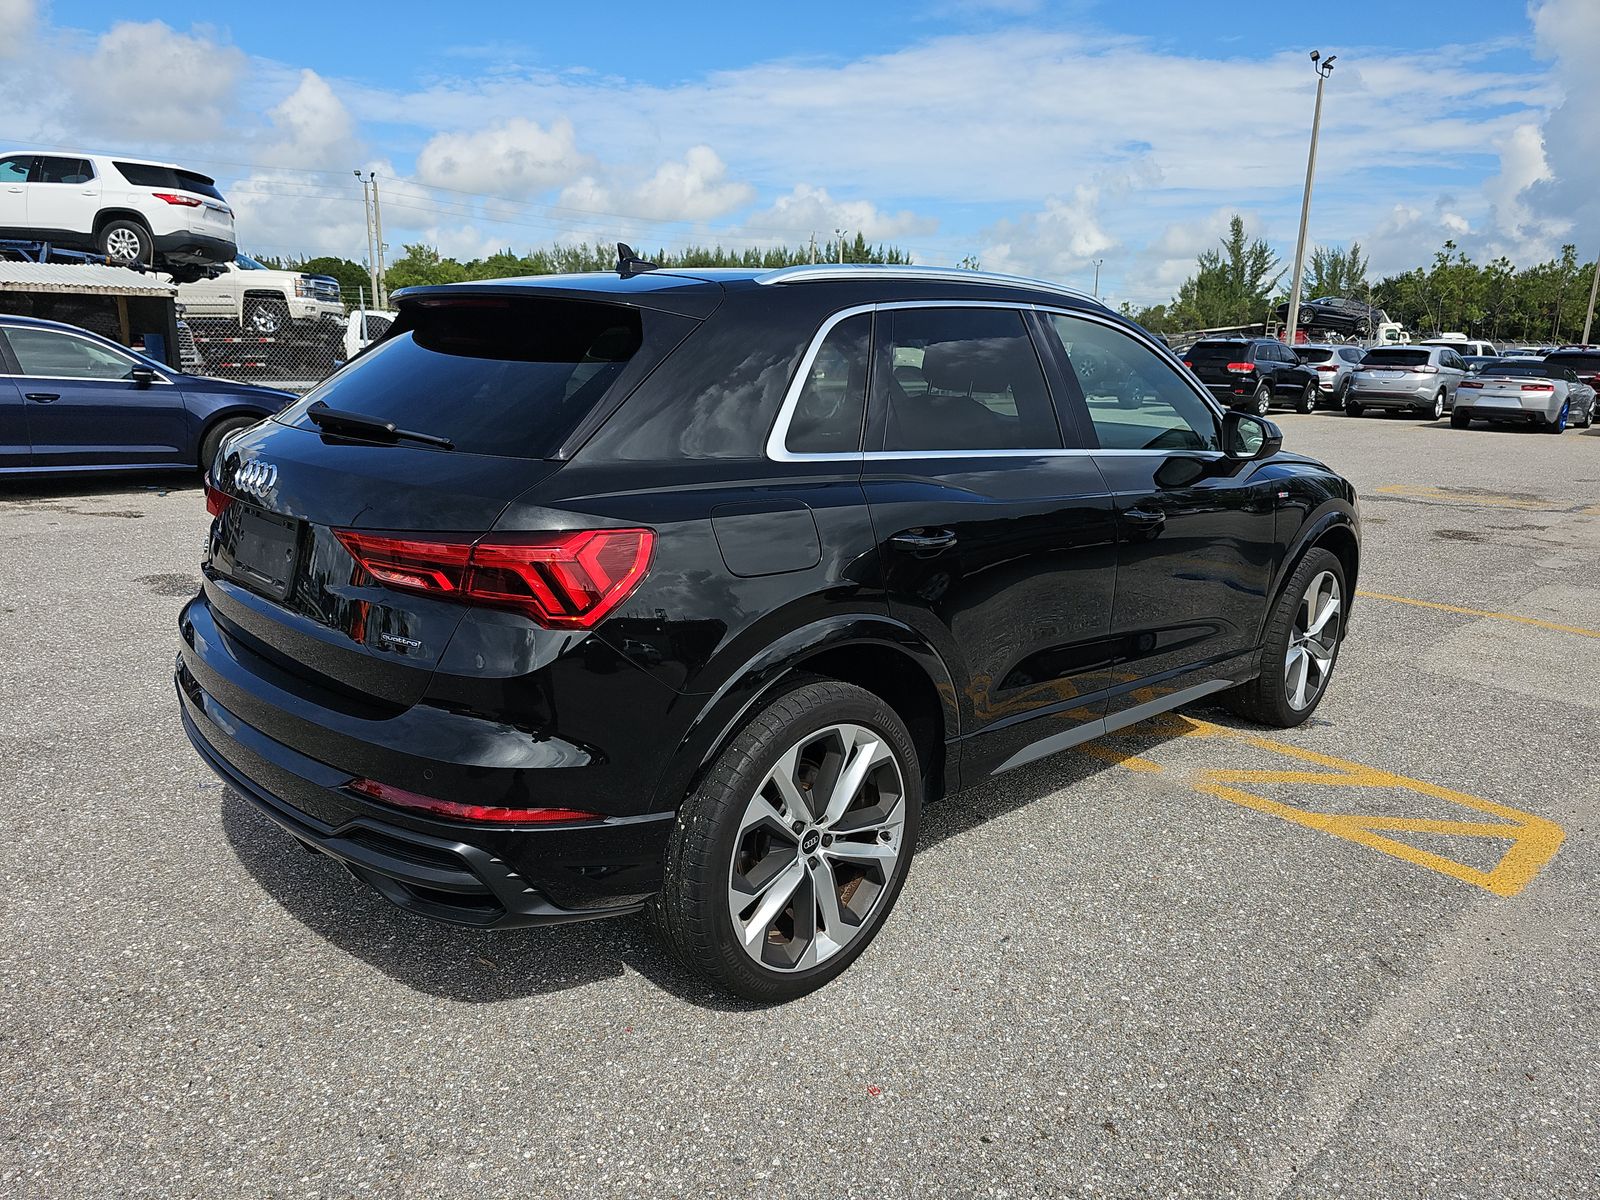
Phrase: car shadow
(485, 967)
(34, 489)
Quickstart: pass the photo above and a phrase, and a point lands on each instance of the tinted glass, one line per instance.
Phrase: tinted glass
(1314, 356)
(1136, 400)
(1581, 361)
(964, 379)
(1532, 370)
(1216, 354)
(15, 169)
(47, 352)
(1351, 353)
(827, 418)
(1393, 356)
(168, 178)
(495, 376)
(64, 170)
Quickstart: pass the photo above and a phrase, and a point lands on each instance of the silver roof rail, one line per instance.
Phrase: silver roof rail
(832, 272)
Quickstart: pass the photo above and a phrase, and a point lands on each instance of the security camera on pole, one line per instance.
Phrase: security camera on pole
(1323, 68)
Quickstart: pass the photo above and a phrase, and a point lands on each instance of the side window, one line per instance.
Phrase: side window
(14, 170)
(963, 379)
(46, 352)
(63, 170)
(1136, 400)
(827, 417)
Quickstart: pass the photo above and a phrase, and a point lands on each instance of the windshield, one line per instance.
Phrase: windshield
(245, 263)
(499, 376)
(1386, 357)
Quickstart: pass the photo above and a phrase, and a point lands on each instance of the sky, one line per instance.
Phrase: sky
(1038, 138)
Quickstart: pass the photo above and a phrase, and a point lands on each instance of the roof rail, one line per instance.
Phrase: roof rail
(832, 272)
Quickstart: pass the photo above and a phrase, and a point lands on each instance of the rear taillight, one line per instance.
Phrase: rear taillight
(174, 198)
(1328, 369)
(1240, 368)
(401, 798)
(217, 500)
(561, 580)
(1471, 383)
(1425, 369)
(1538, 387)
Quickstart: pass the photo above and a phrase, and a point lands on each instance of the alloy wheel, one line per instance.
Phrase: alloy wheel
(1561, 417)
(1263, 400)
(124, 246)
(817, 848)
(1438, 406)
(1313, 642)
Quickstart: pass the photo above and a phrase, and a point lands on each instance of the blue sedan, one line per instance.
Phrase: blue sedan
(73, 401)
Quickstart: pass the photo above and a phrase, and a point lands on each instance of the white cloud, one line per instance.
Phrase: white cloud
(17, 20)
(808, 209)
(1567, 200)
(313, 126)
(695, 189)
(146, 80)
(514, 158)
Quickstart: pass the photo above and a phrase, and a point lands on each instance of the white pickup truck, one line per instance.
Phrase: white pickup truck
(266, 303)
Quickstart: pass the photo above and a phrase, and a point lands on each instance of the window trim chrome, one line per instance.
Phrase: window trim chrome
(834, 272)
(778, 451)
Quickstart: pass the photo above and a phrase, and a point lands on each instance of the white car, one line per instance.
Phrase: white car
(1462, 345)
(363, 327)
(131, 210)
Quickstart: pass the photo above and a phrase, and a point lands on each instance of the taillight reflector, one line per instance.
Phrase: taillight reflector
(217, 500)
(1425, 369)
(1471, 383)
(1327, 368)
(174, 198)
(401, 798)
(1240, 368)
(561, 580)
(1538, 387)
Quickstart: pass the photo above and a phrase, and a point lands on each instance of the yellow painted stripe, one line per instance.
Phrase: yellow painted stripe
(1417, 492)
(1483, 612)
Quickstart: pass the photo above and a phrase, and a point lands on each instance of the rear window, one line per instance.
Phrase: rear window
(1314, 356)
(1206, 354)
(1393, 356)
(1533, 370)
(172, 178)
(507, 377)
(1583, 362)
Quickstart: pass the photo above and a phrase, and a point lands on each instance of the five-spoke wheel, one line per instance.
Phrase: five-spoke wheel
(1313, 641)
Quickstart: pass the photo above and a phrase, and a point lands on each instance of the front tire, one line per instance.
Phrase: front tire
(1301, 646)
(1261, 402)
(265, 318)
(789, 855)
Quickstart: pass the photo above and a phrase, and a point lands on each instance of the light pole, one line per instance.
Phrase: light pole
(839, 233)
(372, 257)
(1324, 68)
(1594, 289)
(1098, 263)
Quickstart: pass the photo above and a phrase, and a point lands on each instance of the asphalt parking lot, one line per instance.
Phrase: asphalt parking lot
(1357, 958)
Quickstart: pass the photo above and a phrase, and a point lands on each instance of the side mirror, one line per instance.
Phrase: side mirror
(1246, 436)
(143, 377)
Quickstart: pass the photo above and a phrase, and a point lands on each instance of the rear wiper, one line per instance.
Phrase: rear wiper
(338, 420)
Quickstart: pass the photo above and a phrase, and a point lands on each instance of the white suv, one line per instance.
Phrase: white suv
(129, 209)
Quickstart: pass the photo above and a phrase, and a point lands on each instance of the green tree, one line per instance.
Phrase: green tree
(352, 276)
(1336, 272)
(1230, 286)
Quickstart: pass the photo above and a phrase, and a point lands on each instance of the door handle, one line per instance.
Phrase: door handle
(924, 543)
(43, 397)
(1144, 520)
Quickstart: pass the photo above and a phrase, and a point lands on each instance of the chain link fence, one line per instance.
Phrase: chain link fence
(270, 343)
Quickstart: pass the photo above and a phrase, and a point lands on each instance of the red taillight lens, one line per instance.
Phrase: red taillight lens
(1538, 387)
(1240, 368)
(401, 798)
(174, 198)
(1425, 369)
(1327, 368)
(217, 500)
(1471, 383)
(561, 580)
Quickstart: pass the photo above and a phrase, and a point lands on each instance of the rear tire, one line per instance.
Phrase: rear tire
(1261, 402)
(1301, 647)
(1351, 408)
(722, 911)
(1308, 400)
(126, 244)
(1559, 425)
(1437, 411)
(212, 442)
(1460, 419)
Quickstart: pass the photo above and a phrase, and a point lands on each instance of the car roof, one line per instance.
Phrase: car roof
(125, 158)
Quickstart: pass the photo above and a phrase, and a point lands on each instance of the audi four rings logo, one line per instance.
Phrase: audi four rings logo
(256, 476)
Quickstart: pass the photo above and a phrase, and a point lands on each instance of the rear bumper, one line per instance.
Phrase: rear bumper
(1499, 412)
(1392, 397)
(485, 876)
(188, 247)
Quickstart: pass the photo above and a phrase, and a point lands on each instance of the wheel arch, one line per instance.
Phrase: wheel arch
(1334, 528)
(107, 215)
(872, 652)
(210, 420)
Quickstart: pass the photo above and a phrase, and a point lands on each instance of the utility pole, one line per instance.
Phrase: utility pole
(813, 245)
(372, 258)
(1098, 263)
(381, 292)
(1323, 70)
(1594, 290)
(839, 233)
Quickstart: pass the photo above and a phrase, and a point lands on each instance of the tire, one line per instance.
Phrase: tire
(1308, 400)
(737, 816)
(265, 317)
(1342, 396)
(212, 442)
(1437, 411)
(1278, 696)
(1261, 402)
(1559, 425)
(1588, 417)
(126, 243)
(1460, 418)
(1351, 408)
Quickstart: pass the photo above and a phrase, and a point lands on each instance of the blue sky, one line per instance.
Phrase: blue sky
(1036, 137)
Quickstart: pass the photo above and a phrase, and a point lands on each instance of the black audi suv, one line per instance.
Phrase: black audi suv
(684, 591)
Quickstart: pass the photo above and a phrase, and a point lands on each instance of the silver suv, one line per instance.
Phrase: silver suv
(1417, 379)
(1334, 365)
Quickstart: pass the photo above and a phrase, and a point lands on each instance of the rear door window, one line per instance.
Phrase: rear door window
(827, 417)
(963, 379)
(495, 375)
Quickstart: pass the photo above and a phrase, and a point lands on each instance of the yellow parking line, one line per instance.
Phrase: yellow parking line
(1421, 492)
(1483, 612)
